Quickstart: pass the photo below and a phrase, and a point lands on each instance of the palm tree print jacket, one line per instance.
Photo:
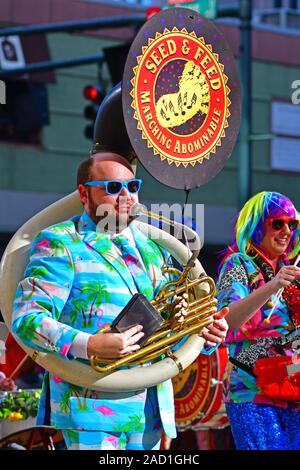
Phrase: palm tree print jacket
(76, 281)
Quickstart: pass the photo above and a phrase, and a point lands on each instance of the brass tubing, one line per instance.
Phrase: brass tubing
(155, 355)
(200, 314)
(195, 282)
(158, 336)
(162, 332)
(195, 306)
(199, 309)
(192, 283)
(189, 318)
(162, 307)
(138, 355)
(183, 287)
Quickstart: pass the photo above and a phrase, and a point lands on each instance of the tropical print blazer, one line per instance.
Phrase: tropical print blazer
(76, 281)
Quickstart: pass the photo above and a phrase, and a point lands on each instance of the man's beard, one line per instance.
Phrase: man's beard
(107, 218)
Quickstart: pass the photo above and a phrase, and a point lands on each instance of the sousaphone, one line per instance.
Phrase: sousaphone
(177, 110)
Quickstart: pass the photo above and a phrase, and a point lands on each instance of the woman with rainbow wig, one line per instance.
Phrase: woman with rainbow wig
(259, 282)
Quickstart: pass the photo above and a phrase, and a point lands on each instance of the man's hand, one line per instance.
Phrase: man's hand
(109, 345)
(7, 384)
(165, 443)
(216, 332)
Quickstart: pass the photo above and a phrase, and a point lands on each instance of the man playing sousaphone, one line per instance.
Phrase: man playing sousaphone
(77, 281)
(82, 273)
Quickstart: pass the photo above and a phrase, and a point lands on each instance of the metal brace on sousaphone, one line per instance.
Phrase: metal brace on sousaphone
(185, 155)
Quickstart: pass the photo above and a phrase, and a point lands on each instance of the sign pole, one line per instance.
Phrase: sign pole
(244, 142)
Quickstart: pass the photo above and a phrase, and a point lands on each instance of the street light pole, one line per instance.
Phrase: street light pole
(244, 143)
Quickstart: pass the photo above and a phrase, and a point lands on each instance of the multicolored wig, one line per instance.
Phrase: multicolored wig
(249, 227)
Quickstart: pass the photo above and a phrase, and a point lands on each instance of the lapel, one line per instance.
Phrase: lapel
(150, 254)
(102, 244)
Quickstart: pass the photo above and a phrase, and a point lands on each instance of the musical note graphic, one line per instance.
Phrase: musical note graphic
(174, 109)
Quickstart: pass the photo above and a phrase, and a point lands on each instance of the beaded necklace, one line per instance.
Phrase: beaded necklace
(290, 295)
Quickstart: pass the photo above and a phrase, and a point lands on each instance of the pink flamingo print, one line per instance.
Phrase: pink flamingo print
(112, 441)
(65, 349)
(131, 260)
(100, 312)
(43, 244)
(26, 307)
(56, 379)
(58, 291)
(105, 411)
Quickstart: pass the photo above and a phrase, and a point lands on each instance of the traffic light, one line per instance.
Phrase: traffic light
(95, 94)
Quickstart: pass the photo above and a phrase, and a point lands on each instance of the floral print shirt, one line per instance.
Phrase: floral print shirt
(239, 277)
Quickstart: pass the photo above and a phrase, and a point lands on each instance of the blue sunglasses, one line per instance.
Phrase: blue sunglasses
(114, 187)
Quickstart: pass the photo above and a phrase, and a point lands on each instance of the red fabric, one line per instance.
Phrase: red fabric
(273, 379)
(13, 356)
(291, 295)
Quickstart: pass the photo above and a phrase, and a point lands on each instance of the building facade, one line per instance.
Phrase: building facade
(34, 174)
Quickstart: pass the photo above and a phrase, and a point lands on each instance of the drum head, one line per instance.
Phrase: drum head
(181, 100)
(198, 390)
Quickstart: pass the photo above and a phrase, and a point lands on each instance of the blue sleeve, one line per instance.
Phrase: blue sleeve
(42, 295)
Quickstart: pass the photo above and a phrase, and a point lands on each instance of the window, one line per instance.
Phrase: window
(285, 146)
(25, 112)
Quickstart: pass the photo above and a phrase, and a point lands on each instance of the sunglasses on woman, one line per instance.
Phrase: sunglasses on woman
(277, 224)
(114, 187)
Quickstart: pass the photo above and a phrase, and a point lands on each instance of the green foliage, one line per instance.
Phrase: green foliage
(24, 402)
(73, 436)
(134, 424)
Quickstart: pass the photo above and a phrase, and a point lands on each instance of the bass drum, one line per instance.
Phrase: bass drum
(198, 393)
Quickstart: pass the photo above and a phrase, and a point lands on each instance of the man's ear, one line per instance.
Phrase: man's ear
(83, 193)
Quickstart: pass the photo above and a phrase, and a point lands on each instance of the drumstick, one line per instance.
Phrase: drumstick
(18, 367)
(278, 294)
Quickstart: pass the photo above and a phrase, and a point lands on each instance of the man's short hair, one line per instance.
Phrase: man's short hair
(84, 169)
(123, 151)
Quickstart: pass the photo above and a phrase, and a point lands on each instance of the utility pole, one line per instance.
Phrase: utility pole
(244, 142)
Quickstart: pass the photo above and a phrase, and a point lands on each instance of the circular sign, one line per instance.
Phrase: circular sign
(191, 390)
(181, 100)
(198, 390)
